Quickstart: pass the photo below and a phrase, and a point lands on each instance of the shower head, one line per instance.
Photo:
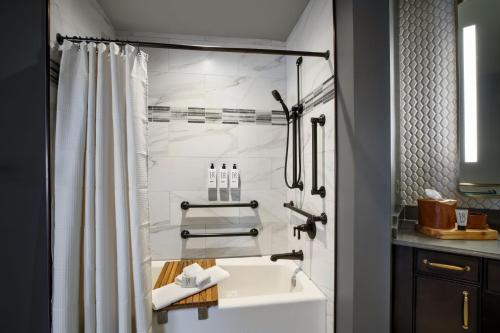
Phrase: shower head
(278, 98)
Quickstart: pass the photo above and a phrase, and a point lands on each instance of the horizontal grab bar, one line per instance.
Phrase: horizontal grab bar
(253, 204)
(322, 218)
(185, 234)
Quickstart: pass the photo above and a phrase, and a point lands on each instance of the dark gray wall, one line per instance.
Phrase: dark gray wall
(24, 222)
(364, 166)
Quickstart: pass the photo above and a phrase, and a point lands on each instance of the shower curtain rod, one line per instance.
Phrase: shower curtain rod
(60, 38)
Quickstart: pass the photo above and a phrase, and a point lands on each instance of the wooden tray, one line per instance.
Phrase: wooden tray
(202, 300)
(472, 234)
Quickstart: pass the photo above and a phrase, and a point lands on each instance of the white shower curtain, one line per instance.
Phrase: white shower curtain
(101, 259)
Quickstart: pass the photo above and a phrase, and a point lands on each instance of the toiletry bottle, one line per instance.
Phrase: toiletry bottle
(212, 177)
(235, 177)
(223, 177)
(462, 215)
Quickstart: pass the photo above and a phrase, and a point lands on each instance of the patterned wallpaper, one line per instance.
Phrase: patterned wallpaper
(428, 102)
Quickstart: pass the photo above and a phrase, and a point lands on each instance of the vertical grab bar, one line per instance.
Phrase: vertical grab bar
(314, 122)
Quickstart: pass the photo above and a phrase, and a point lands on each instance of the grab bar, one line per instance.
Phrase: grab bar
(253, 204)
(315, 122)
(185, 234)
(314, 218)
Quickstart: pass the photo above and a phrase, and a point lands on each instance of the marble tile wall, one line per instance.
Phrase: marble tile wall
(180, 154)
(215, 108)
(315, 31)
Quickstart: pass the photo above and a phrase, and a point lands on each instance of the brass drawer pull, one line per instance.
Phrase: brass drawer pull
(465, 326)
(445, 266)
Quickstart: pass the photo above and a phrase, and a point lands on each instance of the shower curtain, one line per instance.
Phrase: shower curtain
(101, 259)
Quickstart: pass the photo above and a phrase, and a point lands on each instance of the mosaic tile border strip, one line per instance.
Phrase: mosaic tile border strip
(216, 116)
(320, 95)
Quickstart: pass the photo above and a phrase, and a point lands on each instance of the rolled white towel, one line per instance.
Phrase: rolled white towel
(202, 278)
(180, 281)
(171, 293)
(187, 279)
(192, 269)
(195, 280)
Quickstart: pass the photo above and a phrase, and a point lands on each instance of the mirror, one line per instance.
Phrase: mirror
(478, 32)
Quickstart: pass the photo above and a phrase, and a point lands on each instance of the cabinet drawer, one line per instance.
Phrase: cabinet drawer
(448, 265)
(493, 276)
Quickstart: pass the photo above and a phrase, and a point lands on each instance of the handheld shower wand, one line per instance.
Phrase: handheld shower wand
(278, 98)
(294, 116)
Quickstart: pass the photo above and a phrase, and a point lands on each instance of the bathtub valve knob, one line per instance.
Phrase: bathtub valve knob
(309, 227)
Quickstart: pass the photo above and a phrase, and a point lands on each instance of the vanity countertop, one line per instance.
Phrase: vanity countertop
(406, 235)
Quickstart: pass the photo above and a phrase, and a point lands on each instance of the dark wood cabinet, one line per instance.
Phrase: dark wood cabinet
(491, 298)
(440, 292)
(491, 313)
(445, 306)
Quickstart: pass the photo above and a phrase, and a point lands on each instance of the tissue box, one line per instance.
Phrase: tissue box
(477, 220)
(437, 214)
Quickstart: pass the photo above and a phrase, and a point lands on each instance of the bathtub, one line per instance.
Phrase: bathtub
(260, 297)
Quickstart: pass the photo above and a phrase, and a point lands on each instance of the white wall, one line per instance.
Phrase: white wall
(314, 31)
(181, 150)
(78, 17)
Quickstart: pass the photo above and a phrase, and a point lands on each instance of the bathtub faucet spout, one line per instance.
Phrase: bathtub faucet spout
(299, 255)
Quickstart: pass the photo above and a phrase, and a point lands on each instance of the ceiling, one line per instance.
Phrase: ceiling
(261, 19)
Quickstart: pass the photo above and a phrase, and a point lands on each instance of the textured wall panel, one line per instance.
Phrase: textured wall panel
(428, 101)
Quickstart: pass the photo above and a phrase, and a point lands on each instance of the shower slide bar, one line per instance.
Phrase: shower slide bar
(310, 217)
(185, 234)
(185, 205)
(326, 55)
(314, 123)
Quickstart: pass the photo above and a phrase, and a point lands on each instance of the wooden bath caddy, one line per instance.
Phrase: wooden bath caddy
(471, 234)
(202, 300)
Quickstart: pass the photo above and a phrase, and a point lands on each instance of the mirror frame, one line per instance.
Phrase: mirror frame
(467, 189)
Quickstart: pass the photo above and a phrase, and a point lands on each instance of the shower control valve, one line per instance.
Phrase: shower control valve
(309, 227)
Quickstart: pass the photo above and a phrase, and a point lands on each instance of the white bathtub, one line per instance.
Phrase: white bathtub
(259, 297)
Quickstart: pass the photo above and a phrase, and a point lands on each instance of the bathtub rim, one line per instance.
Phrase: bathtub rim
(310, 292)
